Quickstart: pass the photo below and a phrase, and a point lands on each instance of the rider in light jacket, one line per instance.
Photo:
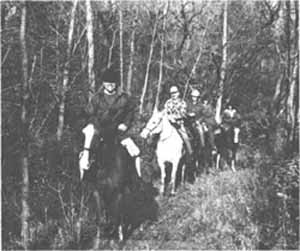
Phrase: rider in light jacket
(176, 110)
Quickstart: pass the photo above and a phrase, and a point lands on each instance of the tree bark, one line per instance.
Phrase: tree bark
(142, 99)
(161, 57)
(223, 64)
(111, 50)
(291, 108)
(291, 98)
(24, 137)
(130, 69)
(64, 86)
(195, 65)
(91, 50)
(121, 47)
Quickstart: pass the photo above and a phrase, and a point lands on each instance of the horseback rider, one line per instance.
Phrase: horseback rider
(194, 109)
(114, 109)
(230, 117)
(203, 115)
(176, 111)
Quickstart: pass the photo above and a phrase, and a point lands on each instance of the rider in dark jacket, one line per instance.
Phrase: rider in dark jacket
(230, 117)
(203, 115)
(111, 108)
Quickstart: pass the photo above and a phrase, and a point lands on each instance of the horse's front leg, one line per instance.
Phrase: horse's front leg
(162, 176)
(98, 215)
(183, 173)
(173, 176)
(218, 158)
(232, 164)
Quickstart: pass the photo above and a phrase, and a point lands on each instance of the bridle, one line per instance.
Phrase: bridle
(152, 129)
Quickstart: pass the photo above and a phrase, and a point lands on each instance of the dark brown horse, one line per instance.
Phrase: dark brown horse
(227, 141)
(114, 177)
(120, 193)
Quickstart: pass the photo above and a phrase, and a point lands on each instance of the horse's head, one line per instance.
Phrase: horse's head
(154, 125)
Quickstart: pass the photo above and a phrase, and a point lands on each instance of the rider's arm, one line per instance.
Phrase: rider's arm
(129, 110)
(93, 113)
(183, 109)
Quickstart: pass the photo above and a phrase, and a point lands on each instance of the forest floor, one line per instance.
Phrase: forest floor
(215, 212)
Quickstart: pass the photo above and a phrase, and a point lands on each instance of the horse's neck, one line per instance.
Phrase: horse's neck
(228, 135)
(167, 129)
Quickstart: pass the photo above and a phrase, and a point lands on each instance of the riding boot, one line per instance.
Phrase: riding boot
(211, 139)
(186, 140)
(201, 135)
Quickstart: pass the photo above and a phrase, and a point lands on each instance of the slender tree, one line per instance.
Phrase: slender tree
(192, 73)
(24, 137)
(90, 39)
(121, 46)
(131, 55)
(223, 64)
(294, 74)
(64, 86)
(142, 99)
(162, 45)
(110, 52)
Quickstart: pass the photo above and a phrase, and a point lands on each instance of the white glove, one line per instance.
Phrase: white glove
(122, 127)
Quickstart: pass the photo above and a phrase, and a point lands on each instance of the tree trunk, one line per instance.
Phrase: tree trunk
(90, 39)
(24, 137)
(63, 88)
(291, 108)
(142, 99)
(121, 47)
(223, 64)
(111, 50)
(129, 76)
(161, 57)
(195, 65)
(291, 98)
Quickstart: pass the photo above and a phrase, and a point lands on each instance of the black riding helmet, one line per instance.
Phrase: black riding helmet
(111, 76)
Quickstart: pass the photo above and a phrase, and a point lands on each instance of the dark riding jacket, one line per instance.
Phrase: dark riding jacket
(203, 113)
(110, 111)
(194, 109)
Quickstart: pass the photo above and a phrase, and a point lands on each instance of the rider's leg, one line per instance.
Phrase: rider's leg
(134, 152)
(138, 165)
(201, 134)
(211, 139)
(184, 135)
(88, 132)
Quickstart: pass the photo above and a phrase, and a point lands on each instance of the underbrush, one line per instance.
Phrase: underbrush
(213, 213)
(254, 208)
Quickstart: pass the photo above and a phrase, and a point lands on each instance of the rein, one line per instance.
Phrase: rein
(151, 130)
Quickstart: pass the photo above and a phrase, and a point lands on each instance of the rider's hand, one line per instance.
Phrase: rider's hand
(122, 127)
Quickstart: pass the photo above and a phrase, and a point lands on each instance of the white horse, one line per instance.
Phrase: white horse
(169, 147)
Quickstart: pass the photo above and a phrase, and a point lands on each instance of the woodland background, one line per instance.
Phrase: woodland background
(53, 55)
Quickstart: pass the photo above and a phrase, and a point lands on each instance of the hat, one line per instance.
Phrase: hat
(110, 76)
(195, 93)
(174, 89)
